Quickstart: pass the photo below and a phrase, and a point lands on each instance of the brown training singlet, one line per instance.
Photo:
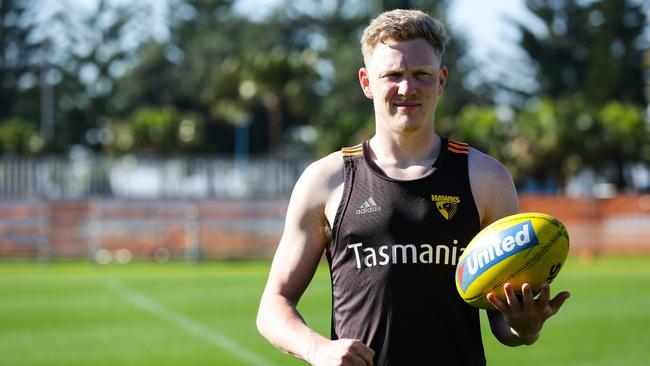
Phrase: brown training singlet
(392, 256)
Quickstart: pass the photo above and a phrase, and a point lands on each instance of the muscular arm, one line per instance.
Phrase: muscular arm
(295, 261)
(496, 197)
(515, 322)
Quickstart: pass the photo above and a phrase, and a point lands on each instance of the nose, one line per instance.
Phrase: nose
(406, 87)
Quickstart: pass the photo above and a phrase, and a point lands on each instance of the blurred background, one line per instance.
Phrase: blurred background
(174, 130)
(183, 125)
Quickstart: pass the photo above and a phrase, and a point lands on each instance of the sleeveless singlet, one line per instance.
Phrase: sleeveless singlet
(392, 255)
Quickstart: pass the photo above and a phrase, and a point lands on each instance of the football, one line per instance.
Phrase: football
(523, 248)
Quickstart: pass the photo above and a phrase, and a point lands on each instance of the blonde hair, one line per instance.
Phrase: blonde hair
(404, 25)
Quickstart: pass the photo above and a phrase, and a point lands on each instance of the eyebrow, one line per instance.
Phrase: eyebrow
(402, 70)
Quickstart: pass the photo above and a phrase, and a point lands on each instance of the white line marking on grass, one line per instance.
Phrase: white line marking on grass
(182, 321)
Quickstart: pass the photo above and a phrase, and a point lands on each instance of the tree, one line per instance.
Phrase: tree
(97, 48)
(625, 139)
(345, 110)
(20, 58)
(550, 141)
(161, 130)
(588, 64)
(594, 49)
(231, 71)
(19, 137)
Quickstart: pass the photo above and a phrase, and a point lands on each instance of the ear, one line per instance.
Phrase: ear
(364, 81)
(442, 78)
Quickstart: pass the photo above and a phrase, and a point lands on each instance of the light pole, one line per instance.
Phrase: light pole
(47, 95)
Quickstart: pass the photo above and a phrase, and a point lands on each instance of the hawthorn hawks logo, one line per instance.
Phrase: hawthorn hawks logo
(446, 205)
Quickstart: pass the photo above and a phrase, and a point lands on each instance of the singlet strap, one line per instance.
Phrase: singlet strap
(458, 147)
(353, 151)
(351, 157)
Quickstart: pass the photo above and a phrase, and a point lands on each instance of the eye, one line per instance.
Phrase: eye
(392, 75)
(422, 75)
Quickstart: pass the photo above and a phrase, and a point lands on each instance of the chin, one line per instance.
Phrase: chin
(407, 127)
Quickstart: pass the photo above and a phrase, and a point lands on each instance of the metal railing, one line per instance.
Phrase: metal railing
(146, 178)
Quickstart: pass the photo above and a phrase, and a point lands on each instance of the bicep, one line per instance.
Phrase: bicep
(503, 201)
(302, 243)
(493, 188)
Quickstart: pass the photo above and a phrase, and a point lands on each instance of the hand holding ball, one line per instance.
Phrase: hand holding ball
(523, 248)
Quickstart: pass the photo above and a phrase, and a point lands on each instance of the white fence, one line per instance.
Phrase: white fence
(146, 178)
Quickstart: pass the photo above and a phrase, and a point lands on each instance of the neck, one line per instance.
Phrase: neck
(404, 150)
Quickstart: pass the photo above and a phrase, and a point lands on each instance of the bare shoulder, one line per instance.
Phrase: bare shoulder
(486, 169)
(492, 186)
(324, 175)
(313, 191)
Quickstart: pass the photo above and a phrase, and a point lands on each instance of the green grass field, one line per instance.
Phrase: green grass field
(181, 314)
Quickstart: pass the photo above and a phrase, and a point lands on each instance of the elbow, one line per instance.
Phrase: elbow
(512, 339)
(261, 320)
(505, 334)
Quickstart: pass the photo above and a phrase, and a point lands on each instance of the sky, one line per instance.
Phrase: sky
(492, 36)
(488, 25)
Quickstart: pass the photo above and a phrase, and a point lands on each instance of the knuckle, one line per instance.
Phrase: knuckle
(347, 359)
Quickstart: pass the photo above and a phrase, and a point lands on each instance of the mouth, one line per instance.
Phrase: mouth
(406, 105)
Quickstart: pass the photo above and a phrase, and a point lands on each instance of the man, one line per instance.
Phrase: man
(392, 215)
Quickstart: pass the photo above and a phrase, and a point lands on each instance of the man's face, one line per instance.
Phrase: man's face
(404, 79)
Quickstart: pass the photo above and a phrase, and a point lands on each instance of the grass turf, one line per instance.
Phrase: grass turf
(176, 313)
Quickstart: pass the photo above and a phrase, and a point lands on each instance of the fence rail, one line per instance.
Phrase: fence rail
(133, 177)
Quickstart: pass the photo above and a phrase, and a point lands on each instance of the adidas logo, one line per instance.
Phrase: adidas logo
(368, 206)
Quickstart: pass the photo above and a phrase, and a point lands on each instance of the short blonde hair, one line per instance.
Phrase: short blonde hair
(404, 25)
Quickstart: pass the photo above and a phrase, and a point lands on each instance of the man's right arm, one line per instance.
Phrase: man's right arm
(295, 261)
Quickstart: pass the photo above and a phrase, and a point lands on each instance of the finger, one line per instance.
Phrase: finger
(544, 295)
(361, 361)
(559, 300)
(353, 353)
(500, 305)
(369, 362)
(511, 297)
(363, 351)
(367, 356)
(527, 294)
(354, 360)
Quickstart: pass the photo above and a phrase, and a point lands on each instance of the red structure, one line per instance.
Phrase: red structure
(243, 229)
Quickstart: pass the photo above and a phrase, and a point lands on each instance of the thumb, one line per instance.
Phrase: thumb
(559, 299)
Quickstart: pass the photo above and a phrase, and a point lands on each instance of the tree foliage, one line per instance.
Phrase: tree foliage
(19, 136)
(95, 55)
(589, 64)
(156, 130)
(230, 70)
(593, 49)
(20, 57)
(291, 78)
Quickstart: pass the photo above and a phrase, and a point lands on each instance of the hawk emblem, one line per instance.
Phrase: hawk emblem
(446, 205)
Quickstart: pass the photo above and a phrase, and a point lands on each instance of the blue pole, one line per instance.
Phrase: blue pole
(242, 142)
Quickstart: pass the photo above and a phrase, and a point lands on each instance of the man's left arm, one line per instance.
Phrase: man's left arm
(516, 321)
